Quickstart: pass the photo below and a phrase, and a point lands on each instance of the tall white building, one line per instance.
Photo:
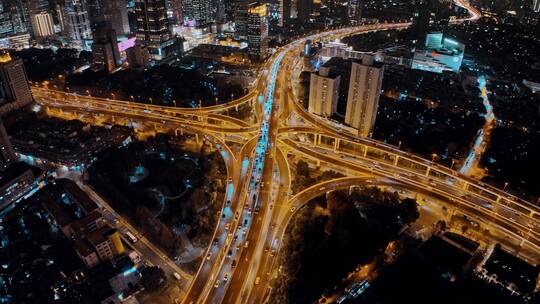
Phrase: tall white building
(43, 25)
(536, 5)
(323, 92)
(363, 98)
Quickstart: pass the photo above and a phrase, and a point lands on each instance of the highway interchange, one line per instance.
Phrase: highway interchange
(241, 265)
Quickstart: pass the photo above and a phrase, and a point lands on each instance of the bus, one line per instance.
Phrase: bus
(131, 237)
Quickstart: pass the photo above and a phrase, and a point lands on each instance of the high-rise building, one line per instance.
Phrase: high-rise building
(43, 25)
(363, 98)
(105, 48)
(257, 30)
(14, 88)
(198, 12)
(76, 20)
(153, 28)
(7, 154)
(323, 92)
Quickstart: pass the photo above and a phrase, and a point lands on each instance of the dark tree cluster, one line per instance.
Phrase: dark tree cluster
(181, 190)
(334, 234)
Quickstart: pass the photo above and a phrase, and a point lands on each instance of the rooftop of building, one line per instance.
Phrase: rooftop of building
(99, 235)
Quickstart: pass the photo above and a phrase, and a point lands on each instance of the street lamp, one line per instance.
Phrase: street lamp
(433, 157)
(505, 185)
(399, 144)
(151, 101)
(452, 165)
(174, 101)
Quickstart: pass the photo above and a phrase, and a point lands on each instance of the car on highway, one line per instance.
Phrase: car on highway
(208, 256)
(233, 264)
(227, 226)
(257, 280)
(215, 241)
(216, 285)
(229, 253)
(177, 276)
(226, 277)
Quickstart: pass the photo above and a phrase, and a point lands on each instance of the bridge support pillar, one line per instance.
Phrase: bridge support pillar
(314, 139)
(336, 144)
(197, 137)
(396, 160)
(318, 163)
(365, 151)
(320, 139)
(112, 119)
(427, 171)
(466, 186)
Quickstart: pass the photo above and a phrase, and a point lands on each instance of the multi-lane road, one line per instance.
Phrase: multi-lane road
(240, 265)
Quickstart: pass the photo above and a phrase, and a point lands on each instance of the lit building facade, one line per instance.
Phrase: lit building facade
(153, 28)
(257, 30)
(363, 96)
(198, 13)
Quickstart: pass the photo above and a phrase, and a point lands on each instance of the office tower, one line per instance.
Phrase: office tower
(13, 18)
(284, 12)
(105, 48)
(305, 8)
(257, 30)
(323, 92)
(43, 25)
(7, 154)
(363, 98)
(76, 20)
(536, 5)
(241, 17)
(198, 12)
(14, 87)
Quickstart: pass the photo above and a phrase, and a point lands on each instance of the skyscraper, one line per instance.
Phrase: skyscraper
(536, 5)
(257, 30)
(37, 10)
(153, 27)
(76, 20)
(198, 12)
(323, 92)
(7, 154)
(363, 98)
(14, 87)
